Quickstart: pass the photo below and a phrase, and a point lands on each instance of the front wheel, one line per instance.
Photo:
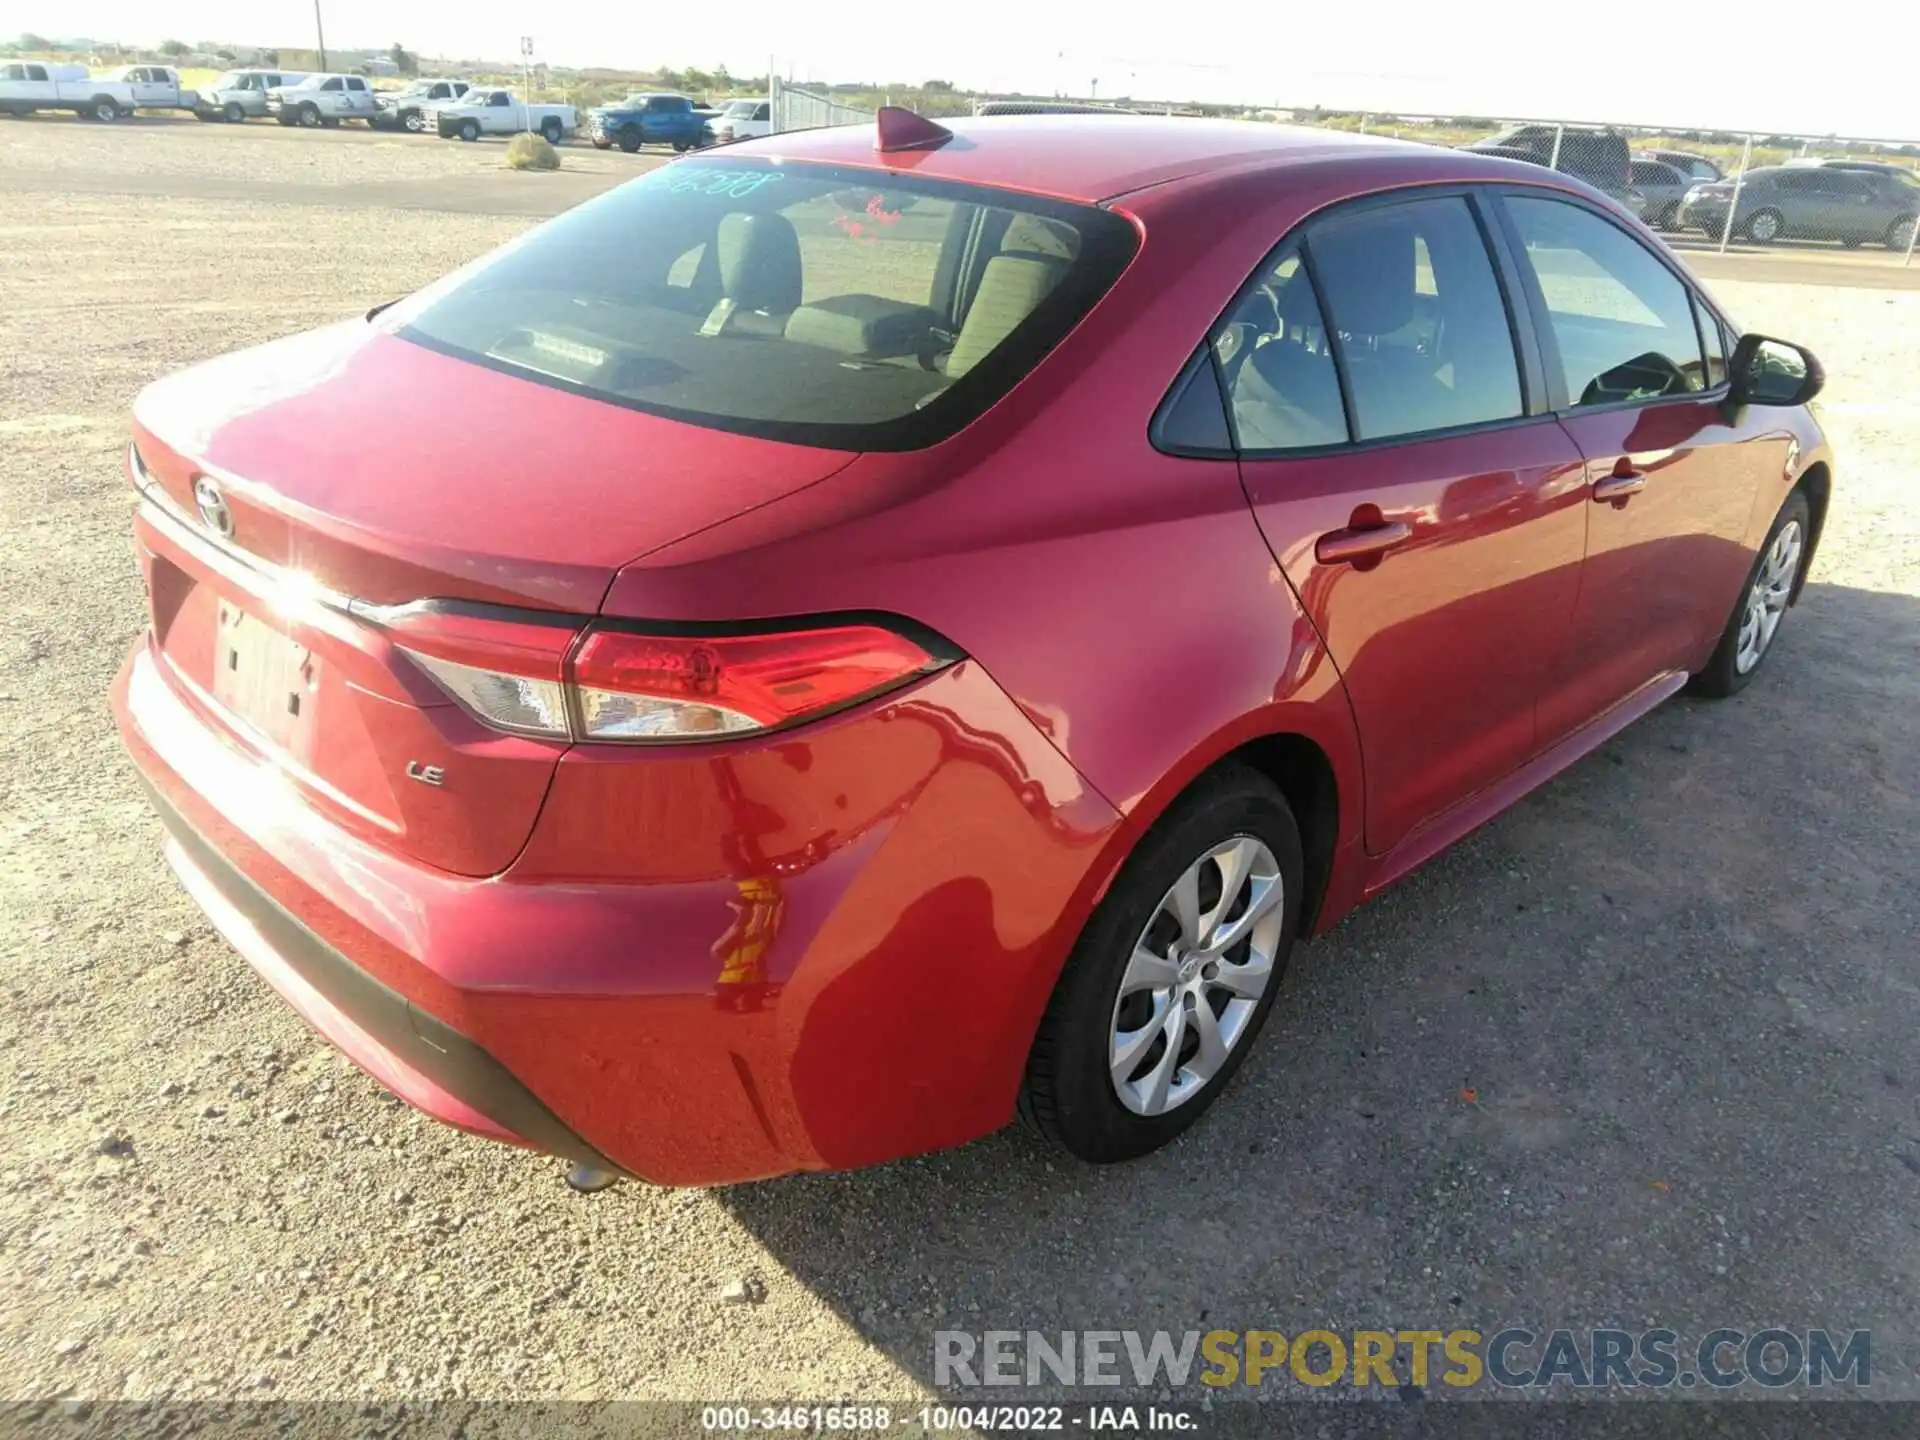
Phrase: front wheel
(1763, 227)
(629, 141)
(552, 129)
(1771, 583)
(232, 113)
(413, 121)
(1173, 976)
(310, 115)
(469, 130)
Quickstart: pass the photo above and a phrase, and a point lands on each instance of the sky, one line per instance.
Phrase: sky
(1758, 64)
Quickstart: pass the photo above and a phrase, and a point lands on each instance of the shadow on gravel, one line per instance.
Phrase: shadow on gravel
(1640, 1052)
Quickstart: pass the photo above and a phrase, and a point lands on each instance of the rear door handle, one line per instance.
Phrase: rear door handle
(1343, 547)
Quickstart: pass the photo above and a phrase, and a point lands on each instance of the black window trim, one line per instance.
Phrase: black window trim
(1562, 404)
(1529, 361)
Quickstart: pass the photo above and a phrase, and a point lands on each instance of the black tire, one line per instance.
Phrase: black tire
(413, 121)
(469, 130)
(232, 113)
(1068, 1092)
(552, 129)
(629, 141)
(1763, 227)
(603, 144)
(1722, 675)
(309, 115)
(1899, 234)
(104, 108)
(680, 147)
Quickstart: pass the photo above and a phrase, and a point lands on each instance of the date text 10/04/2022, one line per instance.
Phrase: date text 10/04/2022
(930, 1419)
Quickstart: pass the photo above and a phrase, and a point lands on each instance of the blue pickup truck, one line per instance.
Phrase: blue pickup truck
(649, 120)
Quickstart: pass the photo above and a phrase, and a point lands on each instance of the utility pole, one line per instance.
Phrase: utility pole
(526, 79)
(320, 33)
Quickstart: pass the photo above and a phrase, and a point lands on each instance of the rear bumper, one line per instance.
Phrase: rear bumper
(706, 966)
(425, 1062)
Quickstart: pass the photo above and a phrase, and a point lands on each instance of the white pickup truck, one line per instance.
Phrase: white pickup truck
(29, 85)
(496, 112)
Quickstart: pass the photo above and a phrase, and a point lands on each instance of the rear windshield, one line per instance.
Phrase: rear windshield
(847, 308)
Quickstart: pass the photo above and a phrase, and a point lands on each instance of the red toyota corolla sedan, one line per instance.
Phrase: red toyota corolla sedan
(832, 644)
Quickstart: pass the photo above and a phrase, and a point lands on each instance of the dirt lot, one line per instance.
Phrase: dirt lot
(1644, 1051)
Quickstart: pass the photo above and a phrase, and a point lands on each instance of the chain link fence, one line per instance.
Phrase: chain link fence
(794, 108)
(1717, 188)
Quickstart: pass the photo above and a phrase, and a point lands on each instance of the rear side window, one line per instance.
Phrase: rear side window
(1275, 358)
(804, 303)
(1419, 321)
(1621, 322)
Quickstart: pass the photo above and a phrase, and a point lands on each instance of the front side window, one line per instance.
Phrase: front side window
(799, 302)
(1621, 322)
(36, 72)
(1275, 359)
(331, 85)
(1418, 318)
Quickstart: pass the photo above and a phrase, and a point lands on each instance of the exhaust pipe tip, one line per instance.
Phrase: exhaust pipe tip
(589, 1179)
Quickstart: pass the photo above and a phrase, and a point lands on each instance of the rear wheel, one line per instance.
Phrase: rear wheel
(1763, 226)
(602, 144)
(1173, 976)
(1763, 602)
(1900, 233)
(552, 129)
(105, 109)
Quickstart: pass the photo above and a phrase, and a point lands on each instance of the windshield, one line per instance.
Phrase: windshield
(229, 80)
(806, 303)
(740, 109)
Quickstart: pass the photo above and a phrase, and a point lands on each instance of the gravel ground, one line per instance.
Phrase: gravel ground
(1643, 1051)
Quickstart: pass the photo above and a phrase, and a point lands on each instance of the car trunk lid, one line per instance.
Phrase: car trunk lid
(303, 499)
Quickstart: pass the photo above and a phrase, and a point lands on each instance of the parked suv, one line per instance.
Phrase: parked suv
(1809, 202)
(1596, 156)
(323, 100)
(866, 645)
(241, 94)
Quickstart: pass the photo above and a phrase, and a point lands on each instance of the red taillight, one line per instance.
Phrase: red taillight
(644, 687)
(535, 678)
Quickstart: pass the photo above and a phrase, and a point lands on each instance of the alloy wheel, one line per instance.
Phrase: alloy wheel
(1196, 976)
(1767, 597)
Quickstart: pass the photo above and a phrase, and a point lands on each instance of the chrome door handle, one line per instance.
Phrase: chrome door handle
(1343, 547)
(1624, 482)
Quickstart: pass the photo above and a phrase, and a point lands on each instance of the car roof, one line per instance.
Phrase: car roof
(1097, 157)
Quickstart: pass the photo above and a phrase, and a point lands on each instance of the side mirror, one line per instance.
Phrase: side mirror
(1764, 371)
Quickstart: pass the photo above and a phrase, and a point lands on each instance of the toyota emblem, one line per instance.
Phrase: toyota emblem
(212, 506)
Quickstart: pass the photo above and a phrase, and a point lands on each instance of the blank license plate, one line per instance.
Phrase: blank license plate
(262, 675)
